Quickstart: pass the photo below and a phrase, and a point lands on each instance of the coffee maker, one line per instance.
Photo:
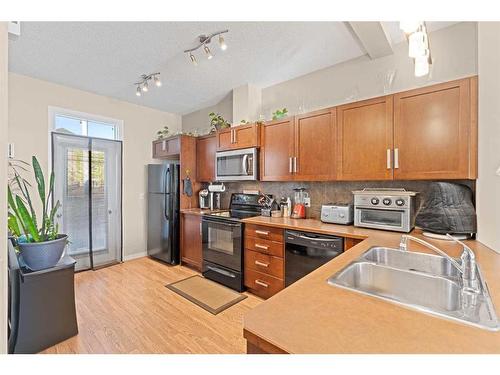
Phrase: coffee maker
(214, 195)
(204, 199)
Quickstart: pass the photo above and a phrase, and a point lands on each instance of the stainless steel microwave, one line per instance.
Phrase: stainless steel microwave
(236, 165)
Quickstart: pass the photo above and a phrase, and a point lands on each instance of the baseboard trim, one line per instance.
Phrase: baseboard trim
(135, 256)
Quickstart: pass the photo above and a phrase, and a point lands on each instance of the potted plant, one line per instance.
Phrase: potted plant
(217, 121)
(280, 113)
(37, 237)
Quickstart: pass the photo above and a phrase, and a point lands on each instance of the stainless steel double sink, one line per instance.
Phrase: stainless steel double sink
(424, 282)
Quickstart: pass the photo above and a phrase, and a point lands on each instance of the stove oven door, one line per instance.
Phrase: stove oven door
(222, 243)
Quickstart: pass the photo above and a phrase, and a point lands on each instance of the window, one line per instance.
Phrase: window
(78, 123)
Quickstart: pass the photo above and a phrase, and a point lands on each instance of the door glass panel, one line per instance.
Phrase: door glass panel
(392, 218)
(101, 130)
(230, 165)
(220, 240)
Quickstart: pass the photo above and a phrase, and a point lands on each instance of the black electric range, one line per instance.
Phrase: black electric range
(222, 238)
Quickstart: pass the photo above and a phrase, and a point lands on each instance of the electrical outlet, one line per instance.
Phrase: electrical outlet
(10, 151)
(307, 202)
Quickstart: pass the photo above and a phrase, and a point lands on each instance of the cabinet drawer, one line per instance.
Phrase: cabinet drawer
(261, 284)
(260, 231)
(264, 246)
(264, 263)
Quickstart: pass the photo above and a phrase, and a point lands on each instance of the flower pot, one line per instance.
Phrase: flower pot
(42, 255)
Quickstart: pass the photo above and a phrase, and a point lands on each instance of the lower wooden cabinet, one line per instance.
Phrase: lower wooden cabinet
(264, 260)
(191, 241)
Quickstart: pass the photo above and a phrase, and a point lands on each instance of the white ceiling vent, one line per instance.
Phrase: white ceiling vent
(14, 28)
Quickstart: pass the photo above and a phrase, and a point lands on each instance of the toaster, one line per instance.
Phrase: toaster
(337, 213)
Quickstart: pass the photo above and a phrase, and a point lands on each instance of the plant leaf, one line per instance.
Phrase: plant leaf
(13, 225)
(27, 220)
(13, 207)
(40, 181)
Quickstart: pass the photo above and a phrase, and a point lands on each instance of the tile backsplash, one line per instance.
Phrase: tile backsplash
(327, 192)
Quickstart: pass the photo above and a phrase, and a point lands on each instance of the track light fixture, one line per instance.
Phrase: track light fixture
(418, 46)
(204, 40)
(143, 84)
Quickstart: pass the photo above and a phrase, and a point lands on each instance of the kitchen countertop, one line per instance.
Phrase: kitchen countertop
(312, 316)
(198, 211)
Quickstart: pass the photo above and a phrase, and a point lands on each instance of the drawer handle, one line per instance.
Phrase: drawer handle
(264, 232)
(263, 247)
(261, 283)
(258, 263)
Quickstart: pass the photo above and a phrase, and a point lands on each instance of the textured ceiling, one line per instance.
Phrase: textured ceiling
(108, 57)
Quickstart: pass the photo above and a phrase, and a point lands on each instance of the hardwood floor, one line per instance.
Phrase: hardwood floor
(127, 309)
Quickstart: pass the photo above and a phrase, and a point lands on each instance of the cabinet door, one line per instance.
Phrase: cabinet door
(225, 139)
(315, 147)
(205, 158)
(191, 240)
(432, 132)
(276, 152)
(245, 136)
(364, 142)
(165, 148)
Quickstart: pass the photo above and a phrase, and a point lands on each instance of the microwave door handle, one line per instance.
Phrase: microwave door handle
(244, 163)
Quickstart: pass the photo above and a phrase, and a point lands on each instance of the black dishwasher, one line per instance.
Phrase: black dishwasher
(304, 252)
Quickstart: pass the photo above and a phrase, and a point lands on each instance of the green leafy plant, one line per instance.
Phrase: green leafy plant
(217, 121)
(163, 133)
(280, 113)
(23, 222)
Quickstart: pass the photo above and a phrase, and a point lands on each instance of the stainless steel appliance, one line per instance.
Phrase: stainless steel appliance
(222, 238)
(236, 165)
(214, 195)
(337, 213)
(204, 198)
(388, 209)
(163, 212)
(304, 252)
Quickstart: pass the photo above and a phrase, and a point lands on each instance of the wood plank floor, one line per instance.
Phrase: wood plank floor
(127, 309)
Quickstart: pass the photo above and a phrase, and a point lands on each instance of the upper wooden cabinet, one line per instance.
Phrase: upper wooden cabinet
(277, 148)
(205, 151)
(435, 132)
(315, 146)
(300, 148)
(365, 140)
(166, 148)
(241, 136)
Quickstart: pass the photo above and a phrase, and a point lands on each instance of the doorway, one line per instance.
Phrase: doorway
(88, 184)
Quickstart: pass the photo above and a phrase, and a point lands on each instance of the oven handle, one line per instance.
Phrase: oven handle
(206, 220)
(222, 272)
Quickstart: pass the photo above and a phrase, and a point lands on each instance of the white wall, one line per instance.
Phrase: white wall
(454, 51)
(3, 184)
(29, 100)
(488, 184)
(199, 120)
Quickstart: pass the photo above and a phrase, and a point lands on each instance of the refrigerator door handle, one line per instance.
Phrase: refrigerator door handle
(167, 194)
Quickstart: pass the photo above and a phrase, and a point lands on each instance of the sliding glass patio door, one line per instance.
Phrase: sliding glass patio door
(88, 184)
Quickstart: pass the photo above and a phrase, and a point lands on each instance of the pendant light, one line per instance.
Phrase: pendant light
(203, 42)
(143, 85)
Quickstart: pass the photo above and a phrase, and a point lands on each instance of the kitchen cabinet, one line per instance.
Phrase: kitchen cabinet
(435, 132)
(205, 151)
(236, 137)
(315, 146)
(300, 148)
(277, 148)
(264, 263)
(365, 140)
(166, 148)
(191, 241)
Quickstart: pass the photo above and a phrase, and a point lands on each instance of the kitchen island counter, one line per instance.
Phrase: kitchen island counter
(312, 316)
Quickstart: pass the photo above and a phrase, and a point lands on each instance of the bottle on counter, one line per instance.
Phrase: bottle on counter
(288, 210)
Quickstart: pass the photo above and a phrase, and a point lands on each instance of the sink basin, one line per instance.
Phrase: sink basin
(408, 260)
(423, 282)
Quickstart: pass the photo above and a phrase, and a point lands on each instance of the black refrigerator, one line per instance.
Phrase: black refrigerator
(163, 212)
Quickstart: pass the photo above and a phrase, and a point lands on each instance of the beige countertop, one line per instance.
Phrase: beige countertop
(197, 211)
(311, 316)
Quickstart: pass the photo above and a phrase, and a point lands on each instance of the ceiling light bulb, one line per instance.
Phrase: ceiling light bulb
(157, 81)
(145, 87)
(138, 91)
(422, 65)
(418, 44)
(222, 43)
(193, 59)
(207, 51)
(409, 26)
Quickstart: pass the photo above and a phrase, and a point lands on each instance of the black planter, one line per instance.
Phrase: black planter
(42, 255)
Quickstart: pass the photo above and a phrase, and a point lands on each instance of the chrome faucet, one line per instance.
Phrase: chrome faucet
(467, 267)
